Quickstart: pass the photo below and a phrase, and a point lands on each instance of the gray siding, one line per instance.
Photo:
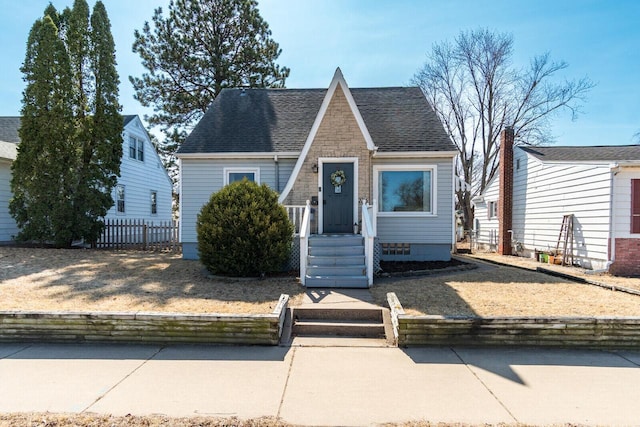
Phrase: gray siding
(436, 229)
(200, 178)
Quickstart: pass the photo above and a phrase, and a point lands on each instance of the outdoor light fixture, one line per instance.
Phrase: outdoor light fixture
(314, 168)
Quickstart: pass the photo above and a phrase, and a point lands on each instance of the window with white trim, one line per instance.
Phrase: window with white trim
(136, 148)
(154, 203)
(120, 208)
(405, 190)
(238, 174)
(635, 206)
(492, 210)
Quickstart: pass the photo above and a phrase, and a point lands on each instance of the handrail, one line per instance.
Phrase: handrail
(295, 213)
(305, 231)
(369, 234)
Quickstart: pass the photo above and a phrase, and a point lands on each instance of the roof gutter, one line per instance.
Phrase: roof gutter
(413, 154)
(239, 155)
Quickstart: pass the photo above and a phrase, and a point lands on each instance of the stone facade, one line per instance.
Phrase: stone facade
(338, 136)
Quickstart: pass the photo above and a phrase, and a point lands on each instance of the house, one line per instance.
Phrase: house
(143, 190)
(598, 185)
(372, 161)
(8, 143)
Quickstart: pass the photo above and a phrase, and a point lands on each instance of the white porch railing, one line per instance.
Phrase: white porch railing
(305, 232)
(369, 230)
(295, 216)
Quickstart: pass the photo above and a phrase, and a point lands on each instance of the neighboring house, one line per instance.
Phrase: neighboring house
(144, 187)
(598, 185)
(387, 144)
(8, 143)
(485, 222)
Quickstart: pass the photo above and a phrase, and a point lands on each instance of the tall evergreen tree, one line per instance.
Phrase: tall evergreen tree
(71, 133)
(200, 47)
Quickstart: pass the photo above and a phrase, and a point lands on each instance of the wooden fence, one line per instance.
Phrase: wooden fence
(140, 234)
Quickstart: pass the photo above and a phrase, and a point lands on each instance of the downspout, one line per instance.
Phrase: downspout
(612, 226)
(275, 160)
(612, 221)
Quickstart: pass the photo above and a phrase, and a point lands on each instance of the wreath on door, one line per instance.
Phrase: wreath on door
(338, 178)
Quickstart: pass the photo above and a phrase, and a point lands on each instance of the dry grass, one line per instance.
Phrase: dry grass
(95, 420)
(88, 280)
(91, 280)
(504, 291)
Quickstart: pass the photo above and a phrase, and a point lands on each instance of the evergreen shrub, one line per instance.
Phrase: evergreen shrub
(244, 231)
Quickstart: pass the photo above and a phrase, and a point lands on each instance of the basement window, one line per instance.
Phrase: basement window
(396, 249)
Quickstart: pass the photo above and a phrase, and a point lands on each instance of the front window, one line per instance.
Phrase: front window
(405, 190)
(120, 198)
(237, 174)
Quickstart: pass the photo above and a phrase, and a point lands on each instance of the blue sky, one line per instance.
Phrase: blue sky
(383, 43)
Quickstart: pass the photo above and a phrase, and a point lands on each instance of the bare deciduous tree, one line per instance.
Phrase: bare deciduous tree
(476, 91)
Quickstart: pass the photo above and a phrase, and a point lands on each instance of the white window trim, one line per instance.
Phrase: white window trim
(138, 141)
(492, 208)
(151, 192)
(254, 171)
(124, 199)
(399, 168)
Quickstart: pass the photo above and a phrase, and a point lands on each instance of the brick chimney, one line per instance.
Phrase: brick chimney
(505, 201)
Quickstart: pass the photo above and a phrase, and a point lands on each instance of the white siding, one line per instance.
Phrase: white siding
(8, 227)
(140, 178)
(543, 193)
(200, 178)
(622, 202)
(485, 228)
(437, 229)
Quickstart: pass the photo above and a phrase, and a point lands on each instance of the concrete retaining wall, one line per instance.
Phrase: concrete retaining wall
(157, 328)
(588, 332)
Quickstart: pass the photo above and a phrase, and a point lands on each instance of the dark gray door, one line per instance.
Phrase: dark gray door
(337, 214)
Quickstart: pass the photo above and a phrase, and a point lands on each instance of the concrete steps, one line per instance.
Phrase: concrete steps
(336, 261)
(336, 322)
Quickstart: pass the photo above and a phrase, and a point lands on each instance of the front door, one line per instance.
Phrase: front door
(337, 184)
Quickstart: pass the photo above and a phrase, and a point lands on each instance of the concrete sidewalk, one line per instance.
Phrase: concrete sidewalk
(311, 385)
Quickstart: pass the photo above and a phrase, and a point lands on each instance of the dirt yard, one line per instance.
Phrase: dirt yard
(493, 290)
(96, 280)
(90, 280)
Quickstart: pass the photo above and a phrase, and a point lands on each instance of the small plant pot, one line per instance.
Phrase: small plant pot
(552, 259)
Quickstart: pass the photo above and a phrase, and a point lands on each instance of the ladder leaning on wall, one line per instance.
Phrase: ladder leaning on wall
(566, 238)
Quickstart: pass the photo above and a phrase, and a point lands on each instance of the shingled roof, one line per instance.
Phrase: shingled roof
(9, 137)
(604, 153)
(279, 120)
(9, 129)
